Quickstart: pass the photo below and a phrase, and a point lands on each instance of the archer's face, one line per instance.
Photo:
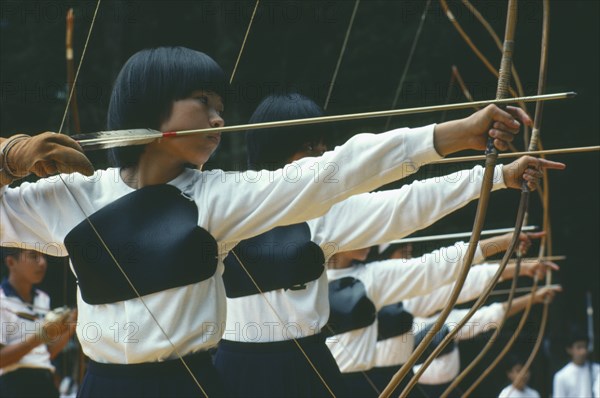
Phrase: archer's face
(200, 110)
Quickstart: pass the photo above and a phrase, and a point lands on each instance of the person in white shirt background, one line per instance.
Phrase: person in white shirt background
(27, 341)
(579, 378)
(518, 387)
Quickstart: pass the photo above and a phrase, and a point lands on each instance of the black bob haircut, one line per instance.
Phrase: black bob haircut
(148, 84)
(270, 148)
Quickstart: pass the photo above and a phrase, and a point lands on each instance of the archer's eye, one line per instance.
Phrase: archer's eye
(202, 99)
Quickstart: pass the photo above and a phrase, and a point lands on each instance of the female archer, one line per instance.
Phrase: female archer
(146, 239)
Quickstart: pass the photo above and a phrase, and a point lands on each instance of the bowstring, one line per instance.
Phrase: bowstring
(342, 51)
(408, 61)
(102, 242)
(243, 42)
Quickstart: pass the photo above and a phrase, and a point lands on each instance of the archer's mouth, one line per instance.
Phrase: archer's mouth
(215, 137)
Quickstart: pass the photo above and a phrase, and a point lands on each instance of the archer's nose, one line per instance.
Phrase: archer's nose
(216, 120)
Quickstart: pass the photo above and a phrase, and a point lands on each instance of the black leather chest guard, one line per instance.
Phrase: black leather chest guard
(154, 235)
(282, 258)
(437, 339)
(393, 320)
(350, 308)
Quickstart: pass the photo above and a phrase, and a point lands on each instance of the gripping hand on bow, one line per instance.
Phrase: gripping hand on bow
(44, 154)
(472, 132)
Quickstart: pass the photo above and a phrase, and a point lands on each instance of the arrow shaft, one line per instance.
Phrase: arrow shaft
(105, 142)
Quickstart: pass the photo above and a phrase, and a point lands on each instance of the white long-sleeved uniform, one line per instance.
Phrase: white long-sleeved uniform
(396, 350)
(577, 381)
(446, 367)
(231, 206)
(388, 282)
(358, 222)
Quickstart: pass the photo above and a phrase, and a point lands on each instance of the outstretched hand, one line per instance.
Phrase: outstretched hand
(529, 169)
(537, 269)
(546, 294)
(500, 243)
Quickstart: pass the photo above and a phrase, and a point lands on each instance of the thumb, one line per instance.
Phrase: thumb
(72, 161)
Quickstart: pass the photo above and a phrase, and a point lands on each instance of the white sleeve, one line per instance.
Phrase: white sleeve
(477, 280)
(483, 320)
(397, 280)
(30, 214)
(242, 205)
(376, 218)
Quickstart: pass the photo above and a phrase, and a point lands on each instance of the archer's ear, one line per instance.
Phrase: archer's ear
(10, 261)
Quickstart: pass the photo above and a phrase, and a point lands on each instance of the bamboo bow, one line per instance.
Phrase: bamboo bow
(491, 156)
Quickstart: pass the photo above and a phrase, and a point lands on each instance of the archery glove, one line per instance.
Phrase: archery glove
(44, 154)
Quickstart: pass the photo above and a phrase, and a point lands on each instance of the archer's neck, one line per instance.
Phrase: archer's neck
(152, 171)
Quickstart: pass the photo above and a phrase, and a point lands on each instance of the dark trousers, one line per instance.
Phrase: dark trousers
(155, 379)
(28, 382)
(382, 376)
(279, 369)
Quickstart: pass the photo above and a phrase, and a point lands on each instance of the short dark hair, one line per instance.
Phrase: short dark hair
(270, 148)
(6, 251)
(513, 359)
(576, 334)
(148, 84)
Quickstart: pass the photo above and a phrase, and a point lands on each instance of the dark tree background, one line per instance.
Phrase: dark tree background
(296, 45)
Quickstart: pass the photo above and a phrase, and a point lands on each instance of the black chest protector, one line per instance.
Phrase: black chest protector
(350, 308)
(437, 339)
(393, 320)
(282, 258)
(154, 236)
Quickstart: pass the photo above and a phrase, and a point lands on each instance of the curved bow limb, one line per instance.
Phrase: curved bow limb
(525, 192)
(471, 45)
(491, 157)
(545, 246)
(515, 75)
